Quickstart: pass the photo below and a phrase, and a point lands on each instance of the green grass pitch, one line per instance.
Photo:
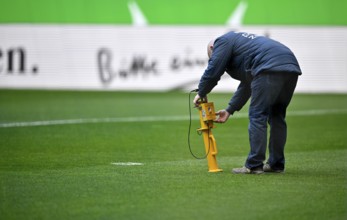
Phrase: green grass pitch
(65, 171)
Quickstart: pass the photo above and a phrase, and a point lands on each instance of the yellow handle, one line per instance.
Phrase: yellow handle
(213, 146)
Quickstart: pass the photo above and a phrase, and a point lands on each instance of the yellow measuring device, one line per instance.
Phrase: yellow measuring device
(207, 116)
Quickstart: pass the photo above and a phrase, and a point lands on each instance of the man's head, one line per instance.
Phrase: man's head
(210, 48)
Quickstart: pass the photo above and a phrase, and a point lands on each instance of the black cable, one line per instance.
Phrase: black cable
(190, 125)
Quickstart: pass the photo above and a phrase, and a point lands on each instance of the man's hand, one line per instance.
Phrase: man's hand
(223, 116)
(198, 100)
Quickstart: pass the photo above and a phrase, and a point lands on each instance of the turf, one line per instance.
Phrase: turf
(65, 171)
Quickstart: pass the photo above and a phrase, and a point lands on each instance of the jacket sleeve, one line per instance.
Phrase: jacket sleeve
(240, 98)
(216, 66)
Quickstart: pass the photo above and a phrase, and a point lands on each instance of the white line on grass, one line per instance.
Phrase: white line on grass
(95, 120)
(127, 164)
(152, 118)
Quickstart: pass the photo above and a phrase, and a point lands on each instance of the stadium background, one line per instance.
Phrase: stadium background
(160, 45)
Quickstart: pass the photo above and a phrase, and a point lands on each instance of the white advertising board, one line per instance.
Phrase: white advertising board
(159, 58)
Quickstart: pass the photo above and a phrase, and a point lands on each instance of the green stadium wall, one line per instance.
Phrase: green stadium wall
(160, 45)
(178, 12)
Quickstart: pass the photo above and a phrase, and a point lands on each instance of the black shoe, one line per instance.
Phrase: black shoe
(267, 169)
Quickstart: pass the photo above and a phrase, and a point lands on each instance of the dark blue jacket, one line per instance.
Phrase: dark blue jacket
(244, 56)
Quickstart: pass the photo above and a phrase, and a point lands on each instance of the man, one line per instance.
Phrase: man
(268, 72)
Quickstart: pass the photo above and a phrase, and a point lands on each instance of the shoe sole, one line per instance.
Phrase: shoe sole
(252, 172)
(275, 171)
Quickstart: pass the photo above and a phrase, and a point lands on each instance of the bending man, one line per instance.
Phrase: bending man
(268, 72)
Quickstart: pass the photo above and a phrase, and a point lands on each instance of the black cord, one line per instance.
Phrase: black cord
(190, 125)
